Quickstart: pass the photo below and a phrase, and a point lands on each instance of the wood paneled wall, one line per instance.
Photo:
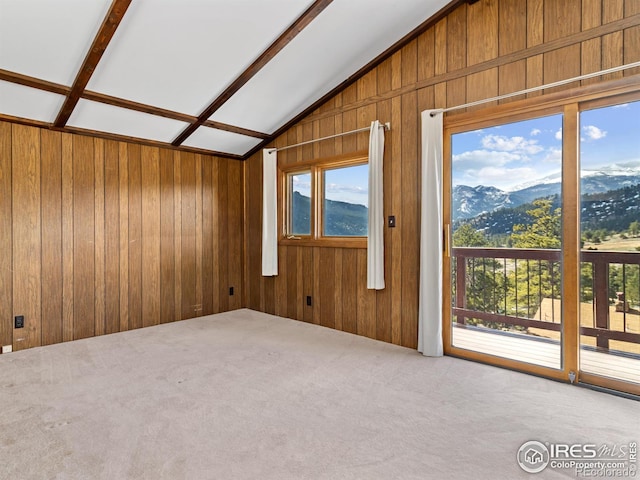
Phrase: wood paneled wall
(99, 236)
(478, 51)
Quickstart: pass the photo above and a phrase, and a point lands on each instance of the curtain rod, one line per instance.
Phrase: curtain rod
(535, 89)
(387, 126)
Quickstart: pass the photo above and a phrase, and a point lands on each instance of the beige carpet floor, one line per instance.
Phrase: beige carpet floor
(244, 395)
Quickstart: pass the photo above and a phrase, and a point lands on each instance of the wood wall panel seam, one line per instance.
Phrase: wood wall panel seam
(167, 235)
(135, 235)
(177, 205)
(99, 244)
(67, 238)
(123, 156)
(112, 237)
(198, 232)
(83, 237)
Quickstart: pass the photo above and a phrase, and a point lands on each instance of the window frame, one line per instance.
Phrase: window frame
(317, 168)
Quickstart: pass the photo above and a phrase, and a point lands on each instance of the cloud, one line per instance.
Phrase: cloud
(630, 164)
(498, 177)
(554, 155)
(302, 185)
(622, 105)
(337, 188)
(535, 131)
(476, 159)
(593, 133)
(511, 144)
(347, 193)
(559, 135)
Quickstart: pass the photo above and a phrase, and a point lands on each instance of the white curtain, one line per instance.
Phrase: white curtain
(430, 298)
(269, 213)
(375, 236)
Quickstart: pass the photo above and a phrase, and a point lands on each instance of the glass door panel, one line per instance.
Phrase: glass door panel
(610, 233)
(506, 224)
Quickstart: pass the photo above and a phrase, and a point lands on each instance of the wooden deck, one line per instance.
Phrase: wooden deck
(545, 352)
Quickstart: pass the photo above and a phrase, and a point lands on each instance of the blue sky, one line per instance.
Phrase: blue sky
(510, 155)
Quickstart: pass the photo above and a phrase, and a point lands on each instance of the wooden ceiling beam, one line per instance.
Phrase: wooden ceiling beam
(282, 41)
(33, 82)
(101, 41)
(138, 107)
(161, 112)
(234, 129)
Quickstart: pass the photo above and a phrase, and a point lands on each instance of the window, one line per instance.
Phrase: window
(346, 197)
(299, 219)
(326, 201)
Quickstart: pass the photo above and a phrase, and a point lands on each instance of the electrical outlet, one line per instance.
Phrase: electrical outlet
(392, 221)
(7, 349)
(309, 303)
(19, 321)
(230, 290)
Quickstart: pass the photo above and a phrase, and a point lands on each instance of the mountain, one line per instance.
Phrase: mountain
(342, 219)
(599, 182)
(469, 202)
(612, 210)
(301, 214)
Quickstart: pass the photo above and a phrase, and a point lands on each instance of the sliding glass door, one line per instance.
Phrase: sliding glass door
(610, 232)
(542, 217)
(506, 234)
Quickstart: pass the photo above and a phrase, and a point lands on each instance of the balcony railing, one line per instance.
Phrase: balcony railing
(520, 289)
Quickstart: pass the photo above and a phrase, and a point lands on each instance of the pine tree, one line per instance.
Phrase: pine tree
(536, 279)
(544, 232)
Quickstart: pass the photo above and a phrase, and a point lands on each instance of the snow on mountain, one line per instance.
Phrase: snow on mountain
(553, 178)
(614, 169)
(469, 202)
(606, 172)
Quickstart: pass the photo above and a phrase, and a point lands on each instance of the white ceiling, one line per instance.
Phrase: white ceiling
(107, 118)
(24, 102)
(180, 55)
(48, 39)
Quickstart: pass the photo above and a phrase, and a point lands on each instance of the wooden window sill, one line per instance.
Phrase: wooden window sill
(332, 242)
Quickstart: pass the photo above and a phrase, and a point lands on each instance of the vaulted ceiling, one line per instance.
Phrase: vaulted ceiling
(215, 76)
